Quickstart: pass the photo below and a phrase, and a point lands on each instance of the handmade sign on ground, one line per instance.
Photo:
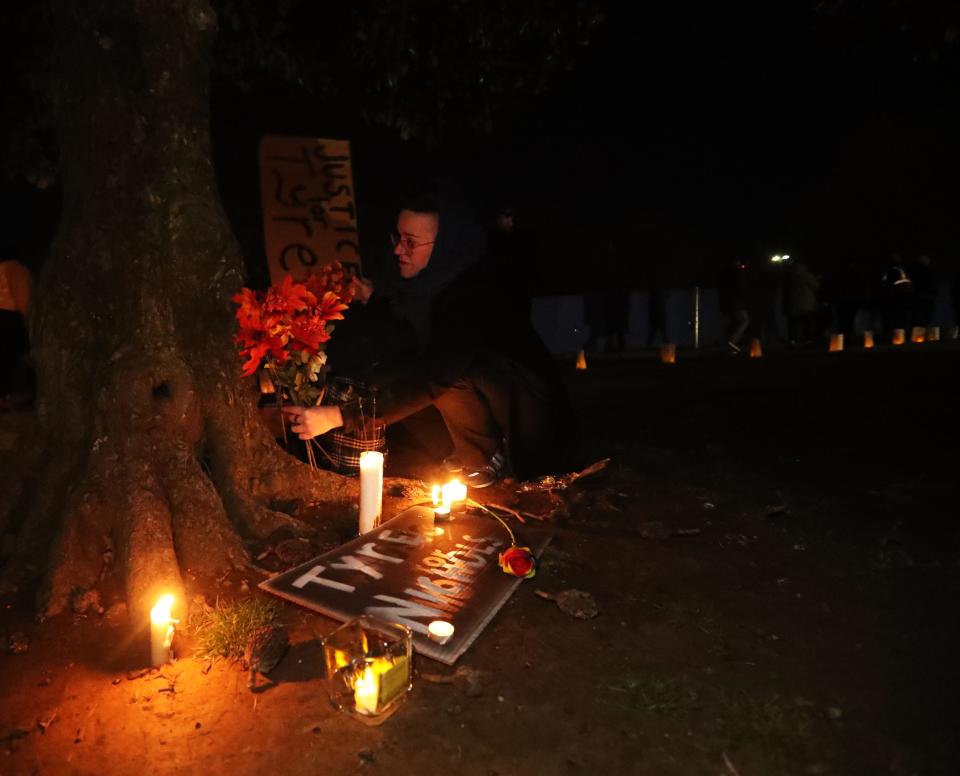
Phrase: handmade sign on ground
(413, 570)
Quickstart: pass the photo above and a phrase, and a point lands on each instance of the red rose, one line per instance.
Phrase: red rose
(519, 562)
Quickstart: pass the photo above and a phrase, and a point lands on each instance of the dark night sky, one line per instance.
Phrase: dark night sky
(759, 132)
(690, 132)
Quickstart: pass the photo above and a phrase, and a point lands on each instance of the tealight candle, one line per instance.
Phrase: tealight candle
(440, 631)
(161, 631)
(371, 489)
(441, 512)
(453, 492)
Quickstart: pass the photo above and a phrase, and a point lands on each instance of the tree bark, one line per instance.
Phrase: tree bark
(150, 450)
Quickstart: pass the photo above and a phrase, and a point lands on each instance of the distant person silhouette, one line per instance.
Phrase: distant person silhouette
(733, 292)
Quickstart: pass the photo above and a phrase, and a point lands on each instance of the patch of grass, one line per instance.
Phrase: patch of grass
(224, 630)
(657, 695)
(777, 729)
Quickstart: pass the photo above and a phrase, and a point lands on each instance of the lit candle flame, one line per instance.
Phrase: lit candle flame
(161, 630)
(161, 610)
(452, 492)
(366, 690)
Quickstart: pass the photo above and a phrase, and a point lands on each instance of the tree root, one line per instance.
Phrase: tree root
(205, 540)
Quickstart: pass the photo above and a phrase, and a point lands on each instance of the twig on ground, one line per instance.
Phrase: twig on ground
(43, 724)
(730, 765)
(509, 511)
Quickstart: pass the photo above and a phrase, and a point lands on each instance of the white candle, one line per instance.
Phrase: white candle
(161, 631)
(441, 512)
(371, 489)
(440, 631)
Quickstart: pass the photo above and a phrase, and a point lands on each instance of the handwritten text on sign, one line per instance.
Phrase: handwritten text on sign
(412, 571)
(309, 214)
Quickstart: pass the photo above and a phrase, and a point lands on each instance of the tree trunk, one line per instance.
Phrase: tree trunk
(150, 448)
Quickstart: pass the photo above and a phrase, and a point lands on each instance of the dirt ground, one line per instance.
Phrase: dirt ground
(807, 623)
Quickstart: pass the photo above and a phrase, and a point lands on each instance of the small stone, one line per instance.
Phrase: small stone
(83, 601)
(293, 552)
(500, 698)
(116, 612)
(17, 643)
(266, 648)
(655, 530)
(834, 713)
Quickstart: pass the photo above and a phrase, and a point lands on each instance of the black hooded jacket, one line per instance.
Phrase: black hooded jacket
(430, 331)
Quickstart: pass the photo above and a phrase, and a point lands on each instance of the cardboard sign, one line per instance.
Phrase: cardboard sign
(309, 216)
(14, 286)
(413, 570)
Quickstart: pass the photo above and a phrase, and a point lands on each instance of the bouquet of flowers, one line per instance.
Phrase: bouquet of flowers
(285, 329)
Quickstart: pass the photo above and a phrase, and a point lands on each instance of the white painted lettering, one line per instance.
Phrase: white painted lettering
(401, 537)
(368, 552)
(402, 612)
(353, 564)
(313, 575)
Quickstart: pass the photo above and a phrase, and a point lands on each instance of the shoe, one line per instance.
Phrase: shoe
(488, 474)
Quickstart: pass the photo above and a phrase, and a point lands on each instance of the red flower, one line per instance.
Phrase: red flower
(290, 323)
(518, 562)
(310, 331)
(331, 308)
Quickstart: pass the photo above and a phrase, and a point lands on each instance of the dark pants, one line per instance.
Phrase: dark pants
(14, 348)
(739, 321)
(802, 328)
(846, 318)
(923, 306)
(500, 405)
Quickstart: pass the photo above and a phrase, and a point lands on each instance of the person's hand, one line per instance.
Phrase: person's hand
(308, 422)
(362, 289)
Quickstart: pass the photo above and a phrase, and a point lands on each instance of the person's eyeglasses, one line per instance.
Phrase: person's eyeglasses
(407, 243)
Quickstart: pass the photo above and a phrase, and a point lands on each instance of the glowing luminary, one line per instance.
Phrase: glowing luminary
(581, 360)
(836, 343)
(161, 631)
(371, 489)
(868, 339)
(756, 349)
(918, 334)
(668, 353)
(899, 336)
(933, 333)
(368, 667)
